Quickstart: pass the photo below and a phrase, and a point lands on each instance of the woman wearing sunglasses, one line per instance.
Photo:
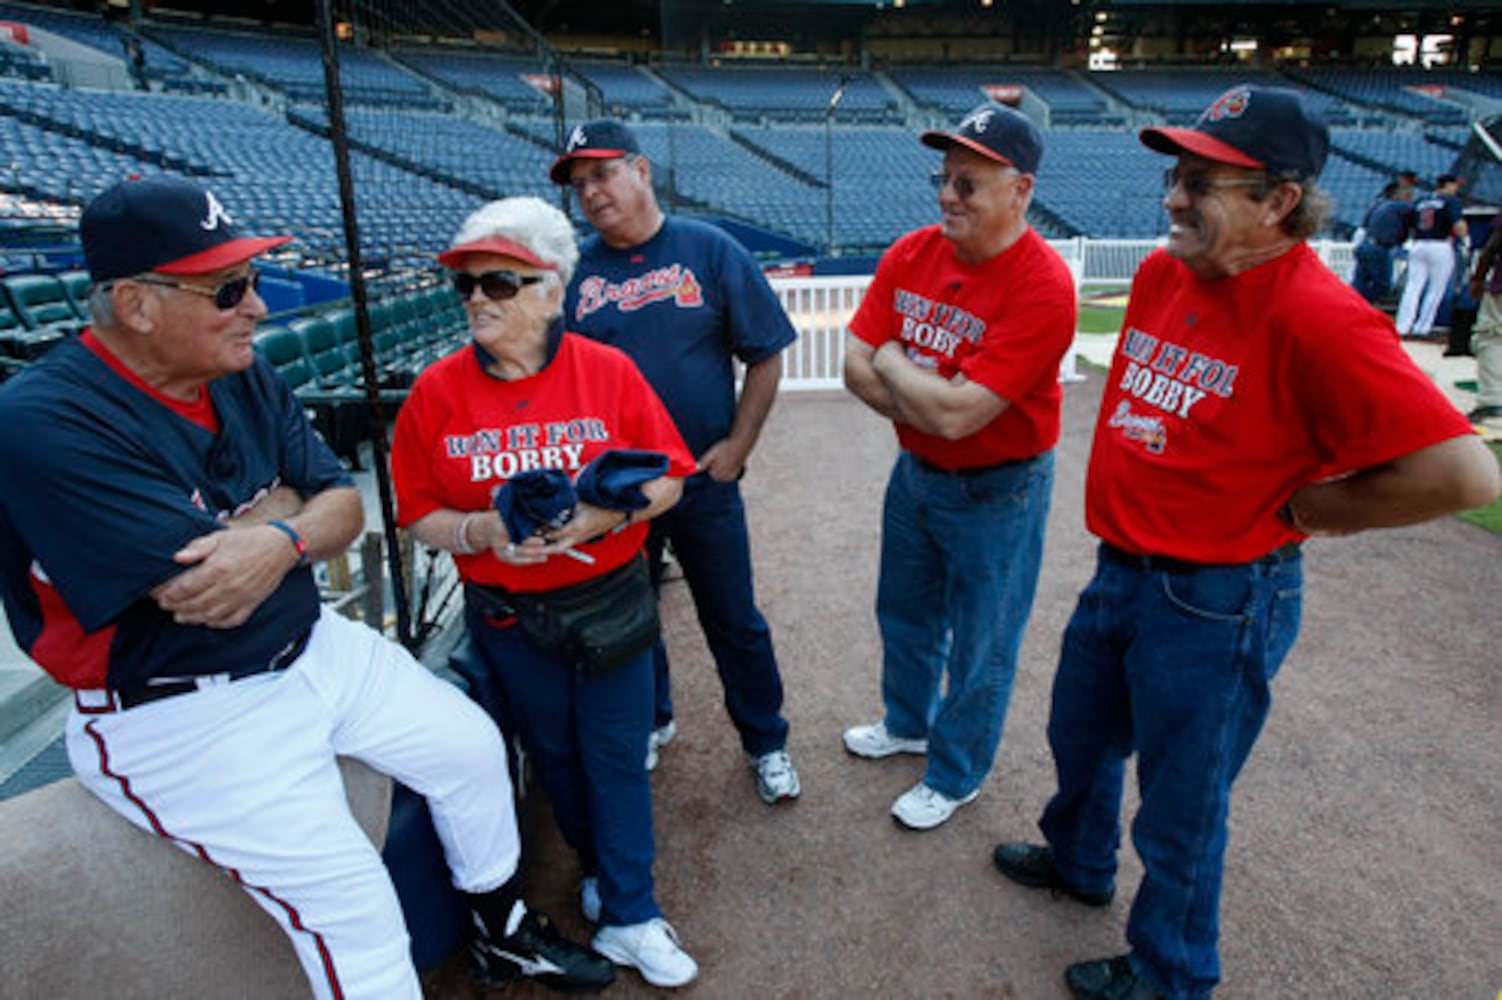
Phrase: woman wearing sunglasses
(526, 395)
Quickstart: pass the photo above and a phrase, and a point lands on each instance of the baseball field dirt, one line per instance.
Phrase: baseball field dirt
(1365, 857)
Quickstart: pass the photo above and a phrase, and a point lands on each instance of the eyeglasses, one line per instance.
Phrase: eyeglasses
(498, 286)
(1199, 185)
(964, 185)
(600, 173)
(226, 296)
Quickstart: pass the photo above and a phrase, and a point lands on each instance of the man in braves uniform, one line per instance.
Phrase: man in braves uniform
(158, 514)
(1222, 442)
(1383, 230)
(685, 301)
(1437, 220)
(958, 342)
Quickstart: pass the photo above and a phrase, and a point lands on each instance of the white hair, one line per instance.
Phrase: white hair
(531, 222)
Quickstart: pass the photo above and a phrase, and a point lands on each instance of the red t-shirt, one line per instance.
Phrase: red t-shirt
(1225, 396)
(462, 434)
(1004, 323)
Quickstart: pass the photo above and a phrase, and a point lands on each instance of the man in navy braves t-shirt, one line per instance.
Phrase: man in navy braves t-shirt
(685, 301)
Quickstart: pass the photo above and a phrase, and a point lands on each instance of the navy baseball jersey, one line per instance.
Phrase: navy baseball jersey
(701, 299)
(100, 483)
(1387, 223)
(1435, 215)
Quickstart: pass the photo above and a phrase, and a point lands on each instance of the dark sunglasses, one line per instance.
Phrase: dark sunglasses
(498, 286)
(1198, 185)
(225, 296)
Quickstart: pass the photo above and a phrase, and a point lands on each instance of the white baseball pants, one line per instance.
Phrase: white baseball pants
(1430, 264)
(244, 776)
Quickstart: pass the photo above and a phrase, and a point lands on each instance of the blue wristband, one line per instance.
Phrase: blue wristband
(296, 540)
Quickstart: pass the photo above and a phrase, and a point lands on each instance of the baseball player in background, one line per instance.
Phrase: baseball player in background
(1437, 219)
(686, 301)
(158, 516)
(1223, 440)
(958, 342)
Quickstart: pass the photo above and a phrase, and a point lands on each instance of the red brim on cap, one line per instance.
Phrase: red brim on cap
(943, 140)
(454, 256)
(559, 171)
(1174, 141)
(222, 256)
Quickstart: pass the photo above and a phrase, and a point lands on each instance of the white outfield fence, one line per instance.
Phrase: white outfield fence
(821, 308)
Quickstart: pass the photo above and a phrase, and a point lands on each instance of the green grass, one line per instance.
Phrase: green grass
(1100, 319)
(1489, 517)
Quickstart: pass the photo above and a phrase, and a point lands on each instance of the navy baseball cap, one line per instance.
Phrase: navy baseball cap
(997, 133)
(601, 139)
(165, 224)
(1266, 128)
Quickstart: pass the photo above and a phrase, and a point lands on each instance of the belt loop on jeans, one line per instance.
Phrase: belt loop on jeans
(102, 701)
(1168, 564)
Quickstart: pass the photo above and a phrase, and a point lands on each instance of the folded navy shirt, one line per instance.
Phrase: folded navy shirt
(614, 480)
(534, 501)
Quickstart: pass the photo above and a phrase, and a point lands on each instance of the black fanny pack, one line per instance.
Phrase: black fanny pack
(598, 625)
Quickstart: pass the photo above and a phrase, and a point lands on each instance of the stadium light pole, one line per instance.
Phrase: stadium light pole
(834, 102)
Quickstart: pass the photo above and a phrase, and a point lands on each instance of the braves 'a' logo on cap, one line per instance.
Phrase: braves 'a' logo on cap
(976, 121)
(577, 138)
(1232, 104)
(216, 215)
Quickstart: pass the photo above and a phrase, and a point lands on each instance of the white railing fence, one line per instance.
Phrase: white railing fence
(821, 308)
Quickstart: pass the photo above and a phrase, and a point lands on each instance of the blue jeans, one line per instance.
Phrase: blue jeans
(1175, 666)
(959, 565)
(586, 735)
(708, 530)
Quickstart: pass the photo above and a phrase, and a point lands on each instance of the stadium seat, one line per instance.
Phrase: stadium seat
(284, 350)
(76, 285)
(41, 306)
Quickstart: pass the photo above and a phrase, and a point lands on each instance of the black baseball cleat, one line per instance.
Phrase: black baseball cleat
(537, 951)
(1108, 979)
(1032, 865)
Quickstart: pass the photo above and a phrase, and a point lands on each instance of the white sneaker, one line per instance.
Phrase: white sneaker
(875, 742)
(775, 778)
(659, 738)
(589, 898)
(922, 808)
(651, 948)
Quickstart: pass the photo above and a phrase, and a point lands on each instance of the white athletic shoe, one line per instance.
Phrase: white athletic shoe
(589, 898)
(659, 738)
(651, 948)
(875, 742)
(922, 808)
(776, 780)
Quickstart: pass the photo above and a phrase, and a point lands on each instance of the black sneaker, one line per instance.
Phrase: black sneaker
(1032, 865)
(1108, 979)
(1481, 413)
(537, 951)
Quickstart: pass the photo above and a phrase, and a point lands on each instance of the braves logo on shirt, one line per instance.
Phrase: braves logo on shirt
(676, 283)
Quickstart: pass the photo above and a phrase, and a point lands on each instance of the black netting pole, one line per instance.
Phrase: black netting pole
(334, 98)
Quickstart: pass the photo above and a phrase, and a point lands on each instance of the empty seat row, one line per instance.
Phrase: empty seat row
(318, 354)
(38, 310)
